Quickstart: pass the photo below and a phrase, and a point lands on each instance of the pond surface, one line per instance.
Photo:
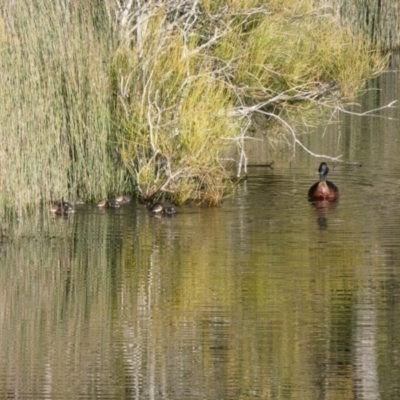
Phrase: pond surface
(267, 297)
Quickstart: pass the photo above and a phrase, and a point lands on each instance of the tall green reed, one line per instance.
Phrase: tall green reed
(56, 132)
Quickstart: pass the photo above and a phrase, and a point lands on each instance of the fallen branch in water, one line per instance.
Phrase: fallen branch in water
(321, 96)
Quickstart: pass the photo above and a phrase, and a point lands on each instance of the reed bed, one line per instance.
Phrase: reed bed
(56, 136)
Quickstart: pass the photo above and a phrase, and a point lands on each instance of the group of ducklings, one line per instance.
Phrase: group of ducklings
(114, 203)
(161, 209)
(62, 207)
(67, 207)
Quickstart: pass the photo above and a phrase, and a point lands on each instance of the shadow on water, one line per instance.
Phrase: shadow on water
(269, 296)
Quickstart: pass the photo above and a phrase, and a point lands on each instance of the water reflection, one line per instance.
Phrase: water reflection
(322, 211)
(366, 378)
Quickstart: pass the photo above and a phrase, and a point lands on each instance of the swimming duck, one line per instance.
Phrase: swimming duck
(123, 199)
(76, 201)
(324, 189)
(108, 204)
(161, 209)
(61, 208)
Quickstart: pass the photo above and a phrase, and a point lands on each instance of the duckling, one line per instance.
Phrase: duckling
(123, 199)
(170, 211)
(113, 203)
(108, 204)
(55, 208)
(102, 203)
(61, 208)
(155, 208)
(75, 201)
(67, 207)
(161, 209)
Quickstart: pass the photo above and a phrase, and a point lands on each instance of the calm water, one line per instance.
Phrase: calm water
(266, 297)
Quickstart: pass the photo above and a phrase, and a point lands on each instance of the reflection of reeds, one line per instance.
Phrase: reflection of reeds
(57, 296)
(379, 21)
(174, 304)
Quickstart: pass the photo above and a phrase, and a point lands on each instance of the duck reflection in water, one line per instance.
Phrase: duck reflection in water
(322, 207)
(323, 194)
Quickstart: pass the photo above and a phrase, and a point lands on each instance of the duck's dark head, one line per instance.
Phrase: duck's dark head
(323, 170)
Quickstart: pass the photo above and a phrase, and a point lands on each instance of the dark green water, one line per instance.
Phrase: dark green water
(266, 297)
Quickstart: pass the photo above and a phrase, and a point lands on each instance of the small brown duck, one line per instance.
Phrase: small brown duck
(161, 209)
(76, 201)
(123, 199)
(108, 204)
(61, 208)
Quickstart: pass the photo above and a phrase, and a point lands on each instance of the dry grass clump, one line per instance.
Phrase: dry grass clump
(175, 125)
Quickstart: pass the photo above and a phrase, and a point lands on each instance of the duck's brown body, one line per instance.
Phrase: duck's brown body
(61, 208)
(161, 209)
